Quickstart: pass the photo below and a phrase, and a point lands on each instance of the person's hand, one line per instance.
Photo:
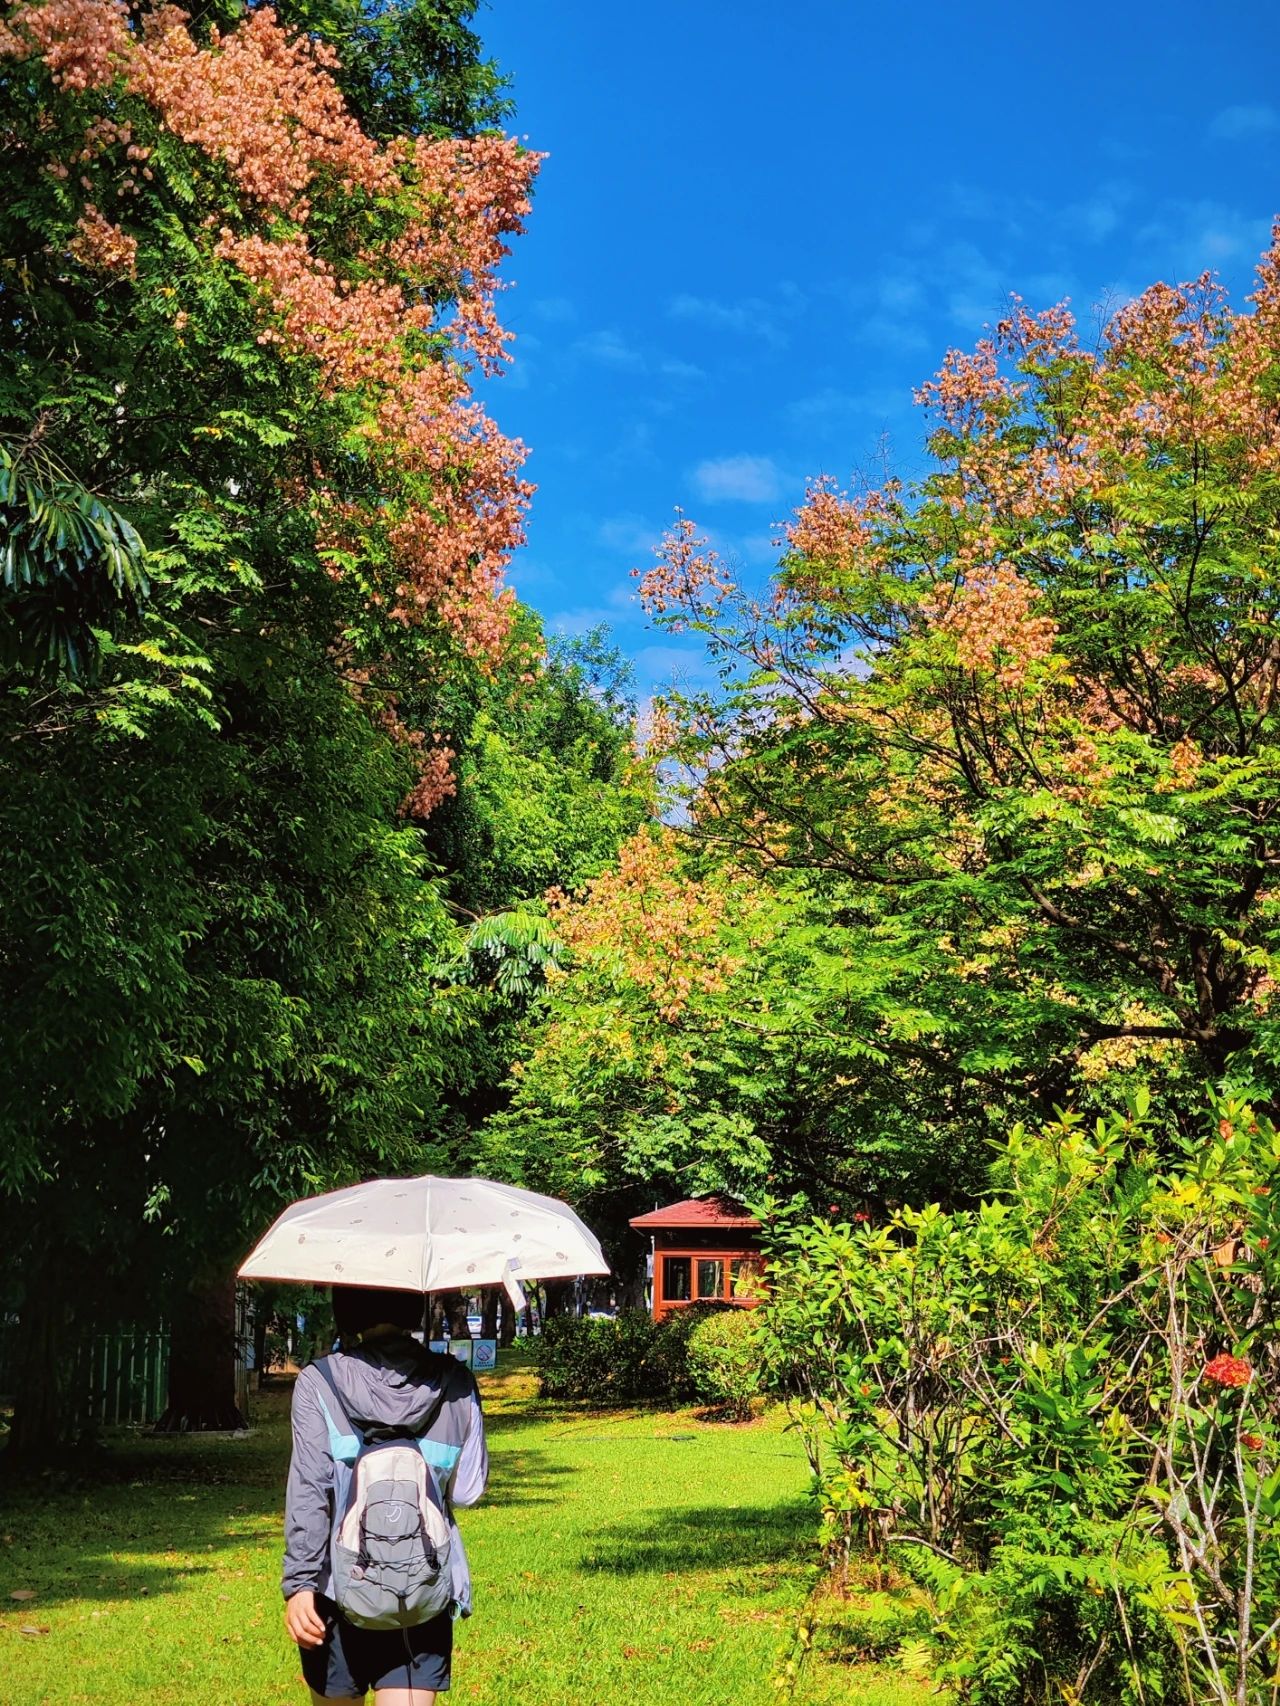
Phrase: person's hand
(302, 1620)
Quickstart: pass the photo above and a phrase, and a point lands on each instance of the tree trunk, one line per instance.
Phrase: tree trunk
(47, 1409)
(435, 1319)
(450, 1306)
(489, 1314)
(260, 1344)
(202, 1362)
(558, 1294)
(507, 1329)
(629, 1290)
(459, 1326)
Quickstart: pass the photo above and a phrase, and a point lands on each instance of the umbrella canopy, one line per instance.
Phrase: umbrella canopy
(427, 1234)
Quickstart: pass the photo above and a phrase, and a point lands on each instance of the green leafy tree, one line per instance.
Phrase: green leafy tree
(217, 977)
(256, 526)
(1003, 748)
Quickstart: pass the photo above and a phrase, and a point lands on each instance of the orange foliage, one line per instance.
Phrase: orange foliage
(395, 314)
(660, 929)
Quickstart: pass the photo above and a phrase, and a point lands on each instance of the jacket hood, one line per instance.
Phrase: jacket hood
(393, 1384)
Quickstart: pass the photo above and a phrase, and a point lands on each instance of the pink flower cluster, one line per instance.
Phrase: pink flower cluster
(833, 532)
(436, 781)
(85, 43)
(997, 623)
(687, 574)
(102, 246)
(261, 101)
(397, 320)
(970, 392)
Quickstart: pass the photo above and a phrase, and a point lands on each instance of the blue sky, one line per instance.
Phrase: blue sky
(760, 227)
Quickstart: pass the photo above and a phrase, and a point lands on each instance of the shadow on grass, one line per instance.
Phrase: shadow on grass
(706, 1538)
(129, 1540)
(142, 1516)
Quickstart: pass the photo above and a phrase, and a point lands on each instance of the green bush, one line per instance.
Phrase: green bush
(620, 1361)
(724, 1360)
(1057, 1411)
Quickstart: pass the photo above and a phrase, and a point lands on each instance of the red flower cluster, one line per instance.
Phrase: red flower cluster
(1226, 1370)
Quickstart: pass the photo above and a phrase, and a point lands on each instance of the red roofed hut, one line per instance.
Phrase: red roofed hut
(705, 1250)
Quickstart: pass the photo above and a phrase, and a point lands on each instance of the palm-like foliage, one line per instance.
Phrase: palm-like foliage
(70, 566)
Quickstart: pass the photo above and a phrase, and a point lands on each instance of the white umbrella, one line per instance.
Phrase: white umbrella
(427, 1234)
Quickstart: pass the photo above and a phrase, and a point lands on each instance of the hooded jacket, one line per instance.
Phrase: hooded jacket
(394, 1383)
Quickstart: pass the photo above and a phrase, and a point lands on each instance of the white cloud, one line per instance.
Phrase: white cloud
(758, 550)
(609, 348)
(1191, 236)
(976, 290)
(621, 601)
(672, 369)
(886, 332)
(738, 479)
(1238, 124)
(529, 574)
(1099, 215)
(630, 534)
(671, 665)
(899, 293)
(751, 317)
(832, 408)
(556, 310)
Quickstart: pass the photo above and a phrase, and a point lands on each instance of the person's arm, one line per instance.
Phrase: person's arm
(306, 1515)
(471, 1472)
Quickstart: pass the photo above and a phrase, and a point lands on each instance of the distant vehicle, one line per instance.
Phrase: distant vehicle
(602, 1314)
(475, 1325)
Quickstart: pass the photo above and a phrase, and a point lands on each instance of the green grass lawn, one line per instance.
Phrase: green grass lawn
(620, 1559)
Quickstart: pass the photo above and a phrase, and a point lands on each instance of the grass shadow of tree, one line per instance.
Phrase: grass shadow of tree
(707, 1538)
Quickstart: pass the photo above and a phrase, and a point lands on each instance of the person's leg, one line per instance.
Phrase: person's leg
(420, 1673)
(332, 1675)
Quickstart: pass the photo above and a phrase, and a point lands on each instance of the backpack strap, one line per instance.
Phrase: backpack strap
(344, 1447)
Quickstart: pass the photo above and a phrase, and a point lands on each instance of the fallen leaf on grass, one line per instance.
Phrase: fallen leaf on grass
(23, 1593)
(34, 1629)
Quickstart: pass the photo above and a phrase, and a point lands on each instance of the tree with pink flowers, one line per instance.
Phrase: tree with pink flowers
(982, 815)
(233, 311)
(1014, 731)
(256, 523)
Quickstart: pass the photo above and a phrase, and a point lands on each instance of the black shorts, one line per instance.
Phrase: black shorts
(351, 1661)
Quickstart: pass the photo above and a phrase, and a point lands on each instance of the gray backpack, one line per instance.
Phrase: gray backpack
(390, 1547)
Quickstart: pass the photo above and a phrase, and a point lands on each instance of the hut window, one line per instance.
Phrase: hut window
(710, 1278)
(745, 1275)
(675, 1279)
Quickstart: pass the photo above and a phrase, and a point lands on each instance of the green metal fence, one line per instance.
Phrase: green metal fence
(114, 1377)
(124, 1375)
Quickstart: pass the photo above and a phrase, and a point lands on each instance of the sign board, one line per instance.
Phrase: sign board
(484, 1353)
(462, 1348)
(440, 1345)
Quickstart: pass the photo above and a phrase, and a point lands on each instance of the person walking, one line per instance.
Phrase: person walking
(379, 1383)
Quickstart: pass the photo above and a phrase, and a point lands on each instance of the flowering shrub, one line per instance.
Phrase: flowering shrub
(1050, 1410)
